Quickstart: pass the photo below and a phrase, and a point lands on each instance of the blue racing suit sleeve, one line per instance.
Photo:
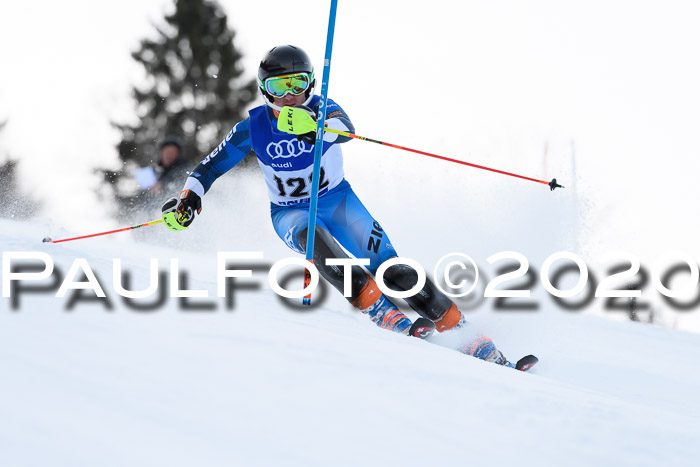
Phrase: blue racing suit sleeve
(234, 147)
(336, 118)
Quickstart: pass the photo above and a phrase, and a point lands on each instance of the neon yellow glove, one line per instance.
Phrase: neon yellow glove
(178, 213)
(296, 120)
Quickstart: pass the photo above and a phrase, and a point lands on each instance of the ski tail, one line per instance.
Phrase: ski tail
(422, 328)
(525, 363)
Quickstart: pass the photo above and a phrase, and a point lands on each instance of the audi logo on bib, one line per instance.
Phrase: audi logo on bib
(288, 148)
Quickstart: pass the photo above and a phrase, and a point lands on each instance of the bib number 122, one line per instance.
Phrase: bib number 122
(298, 184)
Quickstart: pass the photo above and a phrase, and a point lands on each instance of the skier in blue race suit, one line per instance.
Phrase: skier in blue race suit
(286, 80)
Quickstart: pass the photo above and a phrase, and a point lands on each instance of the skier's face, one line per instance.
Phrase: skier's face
(290, 100)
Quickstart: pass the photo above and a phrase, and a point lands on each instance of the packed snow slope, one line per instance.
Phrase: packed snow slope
(97, 383)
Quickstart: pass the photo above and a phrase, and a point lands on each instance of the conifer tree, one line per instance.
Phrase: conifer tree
(194, 92)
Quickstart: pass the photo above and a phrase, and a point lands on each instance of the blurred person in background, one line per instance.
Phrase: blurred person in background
(167, 175)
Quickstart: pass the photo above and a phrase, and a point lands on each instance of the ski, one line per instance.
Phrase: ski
(525, 363)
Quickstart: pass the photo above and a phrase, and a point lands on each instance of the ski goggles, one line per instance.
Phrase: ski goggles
(295, 84)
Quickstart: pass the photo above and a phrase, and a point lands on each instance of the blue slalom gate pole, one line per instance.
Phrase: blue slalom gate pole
(313, 202)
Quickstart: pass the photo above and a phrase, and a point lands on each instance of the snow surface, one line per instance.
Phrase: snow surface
(264, 384)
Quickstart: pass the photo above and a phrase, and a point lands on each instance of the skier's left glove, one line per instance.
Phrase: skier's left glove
(300, 121)
(178, 213)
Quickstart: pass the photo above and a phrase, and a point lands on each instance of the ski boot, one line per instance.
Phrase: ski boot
(386, 315)
(484, 349)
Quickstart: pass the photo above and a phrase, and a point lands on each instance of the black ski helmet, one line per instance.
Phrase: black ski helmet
(284, 60)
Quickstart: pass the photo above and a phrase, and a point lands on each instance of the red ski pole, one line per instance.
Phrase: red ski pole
(49, 240)
(552, 185)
